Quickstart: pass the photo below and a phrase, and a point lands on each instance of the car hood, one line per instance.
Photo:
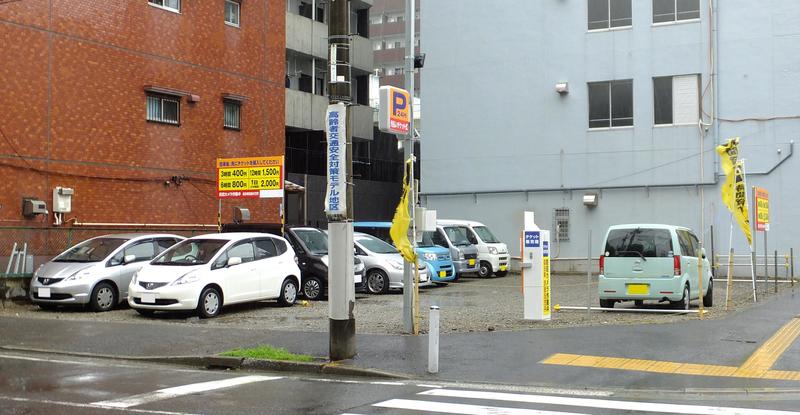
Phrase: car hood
(165, 273)
(64, 269)
(438, 250)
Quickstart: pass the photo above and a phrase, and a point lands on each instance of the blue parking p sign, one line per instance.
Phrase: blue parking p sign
(532, 239)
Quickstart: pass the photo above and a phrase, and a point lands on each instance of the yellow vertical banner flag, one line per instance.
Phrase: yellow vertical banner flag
(740, 210)
(728, 153)
(401, 221)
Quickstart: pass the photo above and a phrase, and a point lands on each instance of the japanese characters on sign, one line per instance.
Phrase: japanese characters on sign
(336, 191)
(250, 177)
(762, 209)
(394, 112)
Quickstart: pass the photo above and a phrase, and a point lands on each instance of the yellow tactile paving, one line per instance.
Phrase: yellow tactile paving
(757, 365)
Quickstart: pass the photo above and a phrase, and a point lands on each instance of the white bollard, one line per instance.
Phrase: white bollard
(433, 340)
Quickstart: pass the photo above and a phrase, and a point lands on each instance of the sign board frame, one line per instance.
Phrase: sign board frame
(250, 177)
(762, 209)
(394, 110)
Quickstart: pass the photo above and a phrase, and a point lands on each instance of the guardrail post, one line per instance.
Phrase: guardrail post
(433, 340)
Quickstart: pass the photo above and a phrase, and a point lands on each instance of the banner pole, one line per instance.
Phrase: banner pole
(752, 237)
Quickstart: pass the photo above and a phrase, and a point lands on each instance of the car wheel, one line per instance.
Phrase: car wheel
(485, 270)
(210, 303)
(708, 299)
(683, 304)
(607, 303)
(377, 282)
(501, 273)
(145, 312)
(104, 297)
(312, 288)
(288, 293)
(638, 303)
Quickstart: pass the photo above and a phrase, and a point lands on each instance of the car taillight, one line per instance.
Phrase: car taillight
(677, 264)
(602, 264)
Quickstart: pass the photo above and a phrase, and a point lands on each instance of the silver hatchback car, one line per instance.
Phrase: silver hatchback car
(383, 264)
(97, 271)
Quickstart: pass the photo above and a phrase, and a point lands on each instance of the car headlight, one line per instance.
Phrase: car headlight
(187, 278)
(78, 275)
(493, 250)
(429, 256)
(460, 255)
(359, 267)
(135, 278)
(395, 264)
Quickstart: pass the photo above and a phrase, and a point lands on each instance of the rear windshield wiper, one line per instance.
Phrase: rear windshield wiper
(634, 252)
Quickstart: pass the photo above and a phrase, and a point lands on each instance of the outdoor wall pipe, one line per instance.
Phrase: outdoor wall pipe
(630, 310)
(565, 189)
(146, 225)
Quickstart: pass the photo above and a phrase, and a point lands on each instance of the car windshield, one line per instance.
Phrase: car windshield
(457, 235)
(485, 234)
(639, 242)
(93, 250)
(373, 244)
(190, 252)
(314, 240)
(427, 240)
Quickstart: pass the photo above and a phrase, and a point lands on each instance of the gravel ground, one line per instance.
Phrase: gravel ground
(471, 304)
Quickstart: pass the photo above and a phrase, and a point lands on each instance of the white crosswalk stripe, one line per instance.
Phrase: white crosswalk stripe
(470, 402)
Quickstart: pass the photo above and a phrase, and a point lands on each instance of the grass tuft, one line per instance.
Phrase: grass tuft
(266, 351)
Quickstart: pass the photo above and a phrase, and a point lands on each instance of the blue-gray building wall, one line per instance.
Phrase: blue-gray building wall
(499, 140)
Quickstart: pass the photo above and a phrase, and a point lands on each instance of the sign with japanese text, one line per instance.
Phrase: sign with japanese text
(531, 239)
(250, 177)
(394, 112)
(336, 162)
(762, 209)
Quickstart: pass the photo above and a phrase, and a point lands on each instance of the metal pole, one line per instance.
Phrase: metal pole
(730, 281)
(341, 290)
(700, 281)
(713, 255)
(776, 271)
(408, 152)
(753, 236)
(589, 275)
(791, 264)
(433, 340)
(766, 261)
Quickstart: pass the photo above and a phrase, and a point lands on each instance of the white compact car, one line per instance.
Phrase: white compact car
(205, 272)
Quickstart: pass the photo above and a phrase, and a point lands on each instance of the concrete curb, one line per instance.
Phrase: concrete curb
(235, 363)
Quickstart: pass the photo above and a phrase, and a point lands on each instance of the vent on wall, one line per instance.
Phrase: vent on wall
(561, 223)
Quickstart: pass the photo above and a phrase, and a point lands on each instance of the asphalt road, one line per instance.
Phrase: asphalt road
(41, 384)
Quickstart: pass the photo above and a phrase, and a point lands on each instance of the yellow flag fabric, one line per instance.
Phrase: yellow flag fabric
(401, 221)
(740, 210)
(728, 152)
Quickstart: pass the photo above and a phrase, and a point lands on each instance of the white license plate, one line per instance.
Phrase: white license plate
(44, 292)
(148, 298)
(357, 278)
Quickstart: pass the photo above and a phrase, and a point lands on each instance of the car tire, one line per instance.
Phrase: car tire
(210, 303)
(104, 297)
(313, 288)
(145, 312)
(485, 269)
(607, 303)
(684, 302)
(708, 299)
(288, 294)
(376, 282)
(638, 303)
(501, 273)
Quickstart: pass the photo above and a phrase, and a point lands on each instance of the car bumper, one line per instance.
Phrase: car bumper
(463, 267)
(499, 262)
(396, 279)
(166, 298)
(640, 289)
(441, 274)
(60, 293)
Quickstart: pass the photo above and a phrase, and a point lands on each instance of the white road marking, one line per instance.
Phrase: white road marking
(176, 391)
(387, 383)
(463, 409)
(422, 385)
(89, 406)
(604, 403)
(71, 362)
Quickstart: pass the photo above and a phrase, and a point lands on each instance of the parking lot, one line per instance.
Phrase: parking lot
(469, 305)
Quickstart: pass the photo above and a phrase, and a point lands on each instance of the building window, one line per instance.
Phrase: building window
(676, 100)
(174, 5)
(611, 104)
(233, 111)
(232, 12)
(376, 45)
(675, 10)
(164, 109)
(605, 14)
(561, 224)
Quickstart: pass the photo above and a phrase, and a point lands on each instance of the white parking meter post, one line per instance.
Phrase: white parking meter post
(536, 279)
(433, 340)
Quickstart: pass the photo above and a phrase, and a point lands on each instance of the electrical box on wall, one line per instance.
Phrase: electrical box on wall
(62, 199)
(32, 207)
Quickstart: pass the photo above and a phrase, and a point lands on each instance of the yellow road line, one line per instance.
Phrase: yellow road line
(757, 365)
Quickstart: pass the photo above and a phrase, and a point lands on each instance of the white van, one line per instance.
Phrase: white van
(492, 254)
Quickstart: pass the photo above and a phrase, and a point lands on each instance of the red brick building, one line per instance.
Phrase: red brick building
(130, 102)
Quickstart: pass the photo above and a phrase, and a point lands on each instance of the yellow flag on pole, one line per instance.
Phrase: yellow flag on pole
(740, 210)
(401, 221)
(729, 153)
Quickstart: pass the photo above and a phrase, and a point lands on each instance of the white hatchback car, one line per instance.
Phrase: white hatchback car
(205, 272)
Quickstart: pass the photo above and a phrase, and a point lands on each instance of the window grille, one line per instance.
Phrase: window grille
(163, 109)
(561, 224)
(232, 115)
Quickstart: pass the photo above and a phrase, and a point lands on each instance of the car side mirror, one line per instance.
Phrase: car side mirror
(129, 258)
(703, 253)
(234, 261)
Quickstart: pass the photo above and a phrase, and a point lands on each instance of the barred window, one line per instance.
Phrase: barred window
(164, 109)
(232, 114)
(561, 223)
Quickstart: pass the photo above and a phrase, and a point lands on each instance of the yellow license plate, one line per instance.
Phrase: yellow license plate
(638, 289)
(471, 262)
(502, 267)
(442, 273)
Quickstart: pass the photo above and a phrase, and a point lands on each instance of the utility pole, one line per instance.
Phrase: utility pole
(408, 152)
(341, 290)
